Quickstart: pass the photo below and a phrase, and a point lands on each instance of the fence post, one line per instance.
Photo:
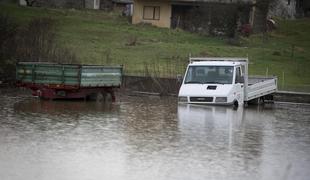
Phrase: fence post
(283, 80)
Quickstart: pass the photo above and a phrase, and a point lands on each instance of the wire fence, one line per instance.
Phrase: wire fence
(160, 69)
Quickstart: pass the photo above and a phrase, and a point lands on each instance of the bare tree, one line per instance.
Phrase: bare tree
(265, 5)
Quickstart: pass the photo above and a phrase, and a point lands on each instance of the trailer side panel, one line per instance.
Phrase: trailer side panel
(101, 76)
(49, 74)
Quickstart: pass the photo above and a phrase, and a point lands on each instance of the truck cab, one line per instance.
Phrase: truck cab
(214, 81)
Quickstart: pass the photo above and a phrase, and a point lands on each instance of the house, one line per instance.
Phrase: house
(199, 15)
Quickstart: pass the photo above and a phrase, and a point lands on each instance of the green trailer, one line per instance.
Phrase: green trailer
(59, 81)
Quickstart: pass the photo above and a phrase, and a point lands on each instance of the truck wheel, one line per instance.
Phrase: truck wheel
(235, 104)
(255, 101)
(269, 99)
(246, 104)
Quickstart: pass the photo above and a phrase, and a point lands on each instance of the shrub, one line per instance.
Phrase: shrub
(246, 30)
(8, 31)
(33, 42)
(37, 43)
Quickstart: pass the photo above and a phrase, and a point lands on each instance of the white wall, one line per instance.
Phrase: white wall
(283, 9)
(96, 4)
(22, 2)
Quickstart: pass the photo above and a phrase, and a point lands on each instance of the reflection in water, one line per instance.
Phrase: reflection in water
(58, 116)
(227, 136)
(151, 138)
(250, 140)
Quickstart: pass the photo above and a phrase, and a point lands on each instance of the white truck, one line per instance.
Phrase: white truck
(223, 81)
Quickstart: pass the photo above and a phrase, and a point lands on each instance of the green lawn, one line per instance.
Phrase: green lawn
(98, 37)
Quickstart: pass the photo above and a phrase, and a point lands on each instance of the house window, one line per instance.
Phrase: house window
(151, 12)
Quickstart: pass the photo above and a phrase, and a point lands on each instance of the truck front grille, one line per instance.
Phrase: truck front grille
(201, 99)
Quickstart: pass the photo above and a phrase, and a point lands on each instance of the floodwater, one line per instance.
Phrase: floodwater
(150, 138)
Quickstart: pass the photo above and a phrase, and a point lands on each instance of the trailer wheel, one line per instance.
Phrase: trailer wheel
(109, 96)
(95, 96)
(100, 96)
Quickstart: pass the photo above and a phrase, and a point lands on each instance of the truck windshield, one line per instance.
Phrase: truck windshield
(209, 75)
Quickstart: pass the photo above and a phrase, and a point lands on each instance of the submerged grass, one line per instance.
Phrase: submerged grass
(98, 37)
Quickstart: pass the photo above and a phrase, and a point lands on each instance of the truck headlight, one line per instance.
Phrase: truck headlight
(221, 99)
(182, 99)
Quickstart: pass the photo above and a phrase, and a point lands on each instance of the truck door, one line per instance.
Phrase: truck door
(239, 85)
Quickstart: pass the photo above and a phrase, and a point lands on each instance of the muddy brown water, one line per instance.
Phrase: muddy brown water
(150, 138)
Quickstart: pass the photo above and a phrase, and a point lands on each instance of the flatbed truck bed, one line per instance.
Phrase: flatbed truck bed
(260, 86)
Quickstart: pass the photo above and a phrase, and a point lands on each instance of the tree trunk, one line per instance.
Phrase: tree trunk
(30, 2)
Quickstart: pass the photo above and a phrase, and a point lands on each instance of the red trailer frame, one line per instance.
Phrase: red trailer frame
(52, 91)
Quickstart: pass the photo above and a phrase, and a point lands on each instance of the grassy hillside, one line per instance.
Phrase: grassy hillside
(97, 37)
